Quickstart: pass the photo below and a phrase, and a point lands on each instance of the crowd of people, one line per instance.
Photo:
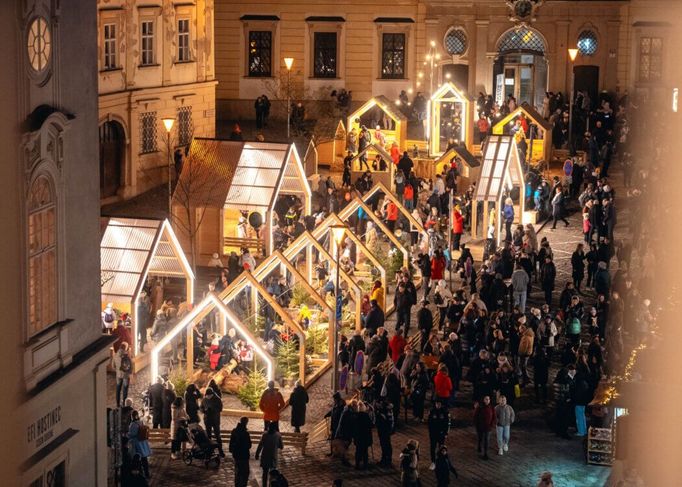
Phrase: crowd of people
(496, 329)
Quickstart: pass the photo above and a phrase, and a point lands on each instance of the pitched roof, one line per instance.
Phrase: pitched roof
(462, 152)
(500, 163)
(389, 107)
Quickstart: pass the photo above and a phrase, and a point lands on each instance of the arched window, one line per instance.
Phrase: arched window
(42, 259)
(587, 42)
(455, 42)
(522, 39)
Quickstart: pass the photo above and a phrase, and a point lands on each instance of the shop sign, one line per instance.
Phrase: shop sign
(44, 428)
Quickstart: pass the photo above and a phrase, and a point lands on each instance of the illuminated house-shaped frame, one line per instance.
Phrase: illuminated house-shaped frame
(541, 149)
(132, 249)
(397, 135)
(306, 242)
(371, 151)
(357, 203)
(501, 172)
(470, 170)
(226, 177)
(324, 230)
(388, 194)
(449, 93)
(210, 303)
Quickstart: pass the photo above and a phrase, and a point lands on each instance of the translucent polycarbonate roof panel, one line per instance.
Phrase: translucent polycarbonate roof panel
(496, 167)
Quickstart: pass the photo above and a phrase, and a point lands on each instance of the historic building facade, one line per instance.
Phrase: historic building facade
(50, 249)
(517, 47)
(155, 61)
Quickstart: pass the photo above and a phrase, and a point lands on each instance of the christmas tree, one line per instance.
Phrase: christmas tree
(287, 359)
(249, 394)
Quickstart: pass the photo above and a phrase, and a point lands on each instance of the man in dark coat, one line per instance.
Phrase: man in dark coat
(156, 402)
(384, 422)
(240, 446)
(401, 302)
(425, 322)
(548, 278)
(439, 425)
(405, 164)
(375, 318)
(211, 406)
(362, 436)
(298, 401)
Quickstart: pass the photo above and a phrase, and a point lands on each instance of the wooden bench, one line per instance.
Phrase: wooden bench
(253, 244)
(161, 438)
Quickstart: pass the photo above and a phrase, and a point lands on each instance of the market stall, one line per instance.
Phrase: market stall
(526, 124)
(451, 119)
(381, 190)
(501, 177)
(229, 193)
(380, 112)
(468, 166)
(140, 255)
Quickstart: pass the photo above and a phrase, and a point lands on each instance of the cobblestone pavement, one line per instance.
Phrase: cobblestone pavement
(533, 448)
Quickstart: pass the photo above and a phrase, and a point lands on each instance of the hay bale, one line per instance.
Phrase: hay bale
(233, 383)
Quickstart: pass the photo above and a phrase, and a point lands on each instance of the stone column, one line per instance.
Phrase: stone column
(482, 64)
(559, 71)
(609, 79)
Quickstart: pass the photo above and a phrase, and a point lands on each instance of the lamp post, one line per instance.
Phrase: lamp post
(338, 232)
(168, 124)
(288, 62)
(572, 54)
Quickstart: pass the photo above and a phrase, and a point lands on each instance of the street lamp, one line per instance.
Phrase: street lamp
(572, 54)
(168, 124)
(288, 62)
(338, 232)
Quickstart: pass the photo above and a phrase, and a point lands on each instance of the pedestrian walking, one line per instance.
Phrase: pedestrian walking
(520, 281)
(439, 426)
(268, 450)
(504, 415)
(548, 277)
(298, 402)
(558, 208)
(211, 406)
(240, 448)
(138, 436)
(484, 421)
(271, 403)
(409, 465)
(444, 467)
(123, 365)
(192, 397)
(362, 437)
(383, 415)
(179, 420)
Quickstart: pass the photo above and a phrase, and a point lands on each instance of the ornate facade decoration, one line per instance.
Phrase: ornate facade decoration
(523, 11)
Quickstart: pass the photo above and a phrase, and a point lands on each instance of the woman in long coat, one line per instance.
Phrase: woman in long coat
(298, 401)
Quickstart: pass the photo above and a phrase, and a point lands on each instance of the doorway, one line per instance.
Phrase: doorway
(523, 76)
(587, 79)
(111, 158)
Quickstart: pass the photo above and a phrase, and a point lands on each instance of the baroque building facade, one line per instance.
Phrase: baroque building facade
(155, 61)
(54, 357)
(415, 45)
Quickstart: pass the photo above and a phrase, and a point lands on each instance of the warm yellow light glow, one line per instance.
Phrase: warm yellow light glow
(437, 55)
(168, 123)
(428, 57)
(448, 75)
(418, 84)
(572, 53)
(397, 102)
(338, 233)
(420, 74)
(410, 91)
(288, 62)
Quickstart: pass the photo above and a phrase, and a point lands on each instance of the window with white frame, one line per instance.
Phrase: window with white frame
(325, 49)
(183, 41)
(148, 132)
(110, 46)
(147, 45)
(650, 59)
(185, 125)
(42, 255)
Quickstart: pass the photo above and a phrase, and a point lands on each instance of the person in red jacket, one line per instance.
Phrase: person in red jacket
(457, 227)
(391, 215)
(397, 346)
(437, 266)
(271, 403)
(484, 421)
(443, 384)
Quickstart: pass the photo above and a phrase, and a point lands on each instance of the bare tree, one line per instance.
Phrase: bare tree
(199, 187)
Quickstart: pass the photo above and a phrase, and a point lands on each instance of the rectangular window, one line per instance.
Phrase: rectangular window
(325, 55)
(183, 40)
(650, 59)
(260, 53)
(110, 46)
(393, 56)
(185, 126)
(147, 132)
(147, 43)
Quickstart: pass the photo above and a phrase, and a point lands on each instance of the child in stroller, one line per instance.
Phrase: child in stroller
(202, 448)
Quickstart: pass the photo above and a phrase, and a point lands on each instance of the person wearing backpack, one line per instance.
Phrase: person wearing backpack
(123, 365)
(108, 318)
(409, 462)
(138, 434)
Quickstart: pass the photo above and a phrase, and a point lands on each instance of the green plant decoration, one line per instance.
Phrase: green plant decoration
(249, 394)
(179, 380)
(287, 359)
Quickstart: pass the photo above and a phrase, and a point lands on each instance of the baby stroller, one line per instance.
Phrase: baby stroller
(202, 448)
